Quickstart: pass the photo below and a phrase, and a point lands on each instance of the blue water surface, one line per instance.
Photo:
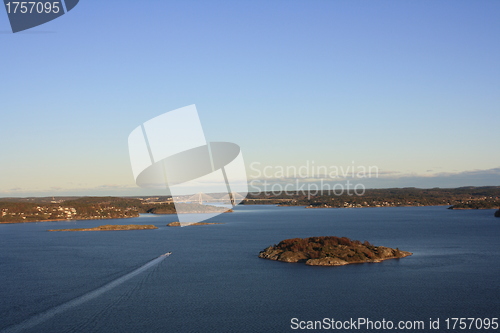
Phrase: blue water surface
(214, 281)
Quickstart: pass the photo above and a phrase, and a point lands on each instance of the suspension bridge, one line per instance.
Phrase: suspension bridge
(201, 197)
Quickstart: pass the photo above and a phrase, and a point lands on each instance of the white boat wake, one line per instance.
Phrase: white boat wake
(44, 316)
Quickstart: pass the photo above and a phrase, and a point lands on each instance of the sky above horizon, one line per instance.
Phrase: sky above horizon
(412, 87)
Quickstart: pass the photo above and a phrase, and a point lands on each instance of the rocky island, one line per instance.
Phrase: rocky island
(329, 251)
(109, 227)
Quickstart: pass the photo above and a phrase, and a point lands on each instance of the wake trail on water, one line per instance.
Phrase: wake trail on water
(91, 323)
(44, 316)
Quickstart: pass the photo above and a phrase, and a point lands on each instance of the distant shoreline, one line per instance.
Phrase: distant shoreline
(307, 207)
(50, 209)
(93, 208)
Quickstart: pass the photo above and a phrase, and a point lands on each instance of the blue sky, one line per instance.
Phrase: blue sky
(412, 87)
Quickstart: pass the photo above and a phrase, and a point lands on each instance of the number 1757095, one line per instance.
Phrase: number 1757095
(33, 7)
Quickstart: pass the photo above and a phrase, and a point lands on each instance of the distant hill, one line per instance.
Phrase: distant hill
(477, 204)
(88, 208)
(464, 197)
(85, 208)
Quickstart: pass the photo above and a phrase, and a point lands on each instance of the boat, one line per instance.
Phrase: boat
(166, 254)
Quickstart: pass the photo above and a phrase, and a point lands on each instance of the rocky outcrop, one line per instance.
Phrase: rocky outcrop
(329, 251)
(327, 261)
(174, 224)
(110, 227)
(497, 213)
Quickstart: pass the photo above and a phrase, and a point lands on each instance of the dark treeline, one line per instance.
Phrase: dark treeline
(464, 197)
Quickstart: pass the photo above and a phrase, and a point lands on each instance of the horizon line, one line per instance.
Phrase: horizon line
(250, 193)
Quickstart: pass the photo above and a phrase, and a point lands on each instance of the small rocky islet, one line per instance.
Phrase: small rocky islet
(111, 227)
(329, 251)
(178, 224)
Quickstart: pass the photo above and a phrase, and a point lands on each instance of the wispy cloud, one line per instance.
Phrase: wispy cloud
(388, 178)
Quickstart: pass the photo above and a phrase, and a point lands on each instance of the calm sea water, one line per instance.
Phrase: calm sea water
(214, 281)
